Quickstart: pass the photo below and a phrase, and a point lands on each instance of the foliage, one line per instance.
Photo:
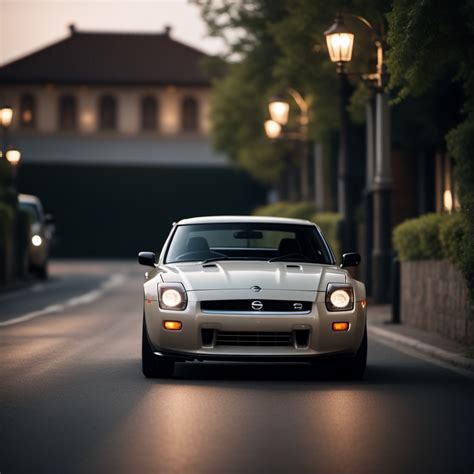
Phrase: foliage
(330, 225)
(295, 210)
(453, 235)
(279, 44)
(415, 33)
(432, 237)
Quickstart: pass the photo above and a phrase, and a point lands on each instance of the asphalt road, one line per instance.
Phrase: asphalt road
(72, 398)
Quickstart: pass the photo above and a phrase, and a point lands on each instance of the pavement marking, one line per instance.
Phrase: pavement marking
(86, 298)
(425, 352)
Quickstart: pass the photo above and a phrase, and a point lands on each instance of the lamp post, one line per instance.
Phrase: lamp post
(340, 42)
(279, 110)
(340, 45)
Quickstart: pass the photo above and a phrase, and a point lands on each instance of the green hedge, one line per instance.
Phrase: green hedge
(329, 222)
(431, 237)
(296, 210)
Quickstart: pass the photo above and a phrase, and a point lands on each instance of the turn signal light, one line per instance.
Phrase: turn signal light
(172, 325)
(363, 303)
(340, 326)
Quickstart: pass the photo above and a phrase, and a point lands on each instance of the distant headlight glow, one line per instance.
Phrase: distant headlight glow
(36, 240)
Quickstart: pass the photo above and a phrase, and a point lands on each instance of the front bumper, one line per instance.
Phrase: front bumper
(198, 337)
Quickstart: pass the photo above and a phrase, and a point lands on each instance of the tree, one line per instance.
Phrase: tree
(275, 44)
(429, 40)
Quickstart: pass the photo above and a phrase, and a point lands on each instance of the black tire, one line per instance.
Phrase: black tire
(154, 366)
(354, 368)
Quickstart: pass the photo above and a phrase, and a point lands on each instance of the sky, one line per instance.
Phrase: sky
(29, 25)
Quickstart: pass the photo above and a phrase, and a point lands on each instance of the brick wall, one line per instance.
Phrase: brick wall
(434, 297)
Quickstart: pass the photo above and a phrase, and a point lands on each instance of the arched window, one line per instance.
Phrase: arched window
(149, 113)
(189, 115)
(107, 113)
(27, 111)
(67, 112)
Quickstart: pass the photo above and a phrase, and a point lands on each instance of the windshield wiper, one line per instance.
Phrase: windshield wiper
(282, 258)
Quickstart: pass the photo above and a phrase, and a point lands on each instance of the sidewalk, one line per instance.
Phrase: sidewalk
(426, 343)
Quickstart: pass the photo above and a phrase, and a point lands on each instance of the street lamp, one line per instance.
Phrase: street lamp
(340, 41)
(272, 129)
(340, 44)
(279, 110)
(6, 115)
(13, 157)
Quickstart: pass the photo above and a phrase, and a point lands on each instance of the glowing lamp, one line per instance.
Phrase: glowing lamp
(172, 325)
(279, 110)
(340, 42)
(13, 157)
(272, 129)
(343, 326)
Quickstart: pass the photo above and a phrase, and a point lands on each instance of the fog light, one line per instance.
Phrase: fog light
(340, 326)
(172, 325)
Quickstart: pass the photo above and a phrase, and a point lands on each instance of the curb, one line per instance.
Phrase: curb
(451, 358)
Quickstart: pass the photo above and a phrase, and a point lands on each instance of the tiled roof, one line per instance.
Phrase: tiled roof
(110, 58)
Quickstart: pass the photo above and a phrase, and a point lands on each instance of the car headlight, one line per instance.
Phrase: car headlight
(339, 297)
(36, 240)
(172, 296)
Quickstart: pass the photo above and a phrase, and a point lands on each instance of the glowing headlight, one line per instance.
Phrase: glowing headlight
(36, 240)
(339, 297)
(172, 296)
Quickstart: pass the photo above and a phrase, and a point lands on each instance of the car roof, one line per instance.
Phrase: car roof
(243, 219)
(28, 198)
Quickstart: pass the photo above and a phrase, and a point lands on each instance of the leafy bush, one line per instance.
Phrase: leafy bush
(418, 239)
(330, 224)
(453, 233)
(23, 238)
(296, 210)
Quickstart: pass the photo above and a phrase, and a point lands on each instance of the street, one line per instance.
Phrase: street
(73, 398)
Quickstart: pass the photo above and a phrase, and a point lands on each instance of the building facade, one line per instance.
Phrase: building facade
(114, 126)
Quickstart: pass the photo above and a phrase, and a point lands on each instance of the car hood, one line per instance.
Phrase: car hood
(238, 275)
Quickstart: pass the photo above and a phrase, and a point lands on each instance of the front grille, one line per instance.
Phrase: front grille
(254, 339)
(273, 306)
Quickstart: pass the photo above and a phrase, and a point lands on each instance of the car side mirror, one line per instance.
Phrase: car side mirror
(350, 259)
(147, 258)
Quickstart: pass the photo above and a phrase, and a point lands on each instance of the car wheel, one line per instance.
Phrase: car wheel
(154, 366)
(354, 368)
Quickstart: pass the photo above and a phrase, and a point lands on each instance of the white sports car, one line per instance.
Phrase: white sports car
(251, 289)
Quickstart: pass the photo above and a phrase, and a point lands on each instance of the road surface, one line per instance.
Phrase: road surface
(73, 399)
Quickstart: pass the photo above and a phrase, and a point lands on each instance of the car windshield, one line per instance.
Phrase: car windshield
(32, 211)
(248, 241)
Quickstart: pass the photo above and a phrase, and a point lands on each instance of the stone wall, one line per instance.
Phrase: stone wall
(434, 297)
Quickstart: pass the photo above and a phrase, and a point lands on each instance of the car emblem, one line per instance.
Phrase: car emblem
(256, 288)
(257, 305)
(298, 306)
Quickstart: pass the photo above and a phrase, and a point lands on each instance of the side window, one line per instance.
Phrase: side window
(149, 114)
(67, 112)
(189, 115)
(27, 111)
(107, 113)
